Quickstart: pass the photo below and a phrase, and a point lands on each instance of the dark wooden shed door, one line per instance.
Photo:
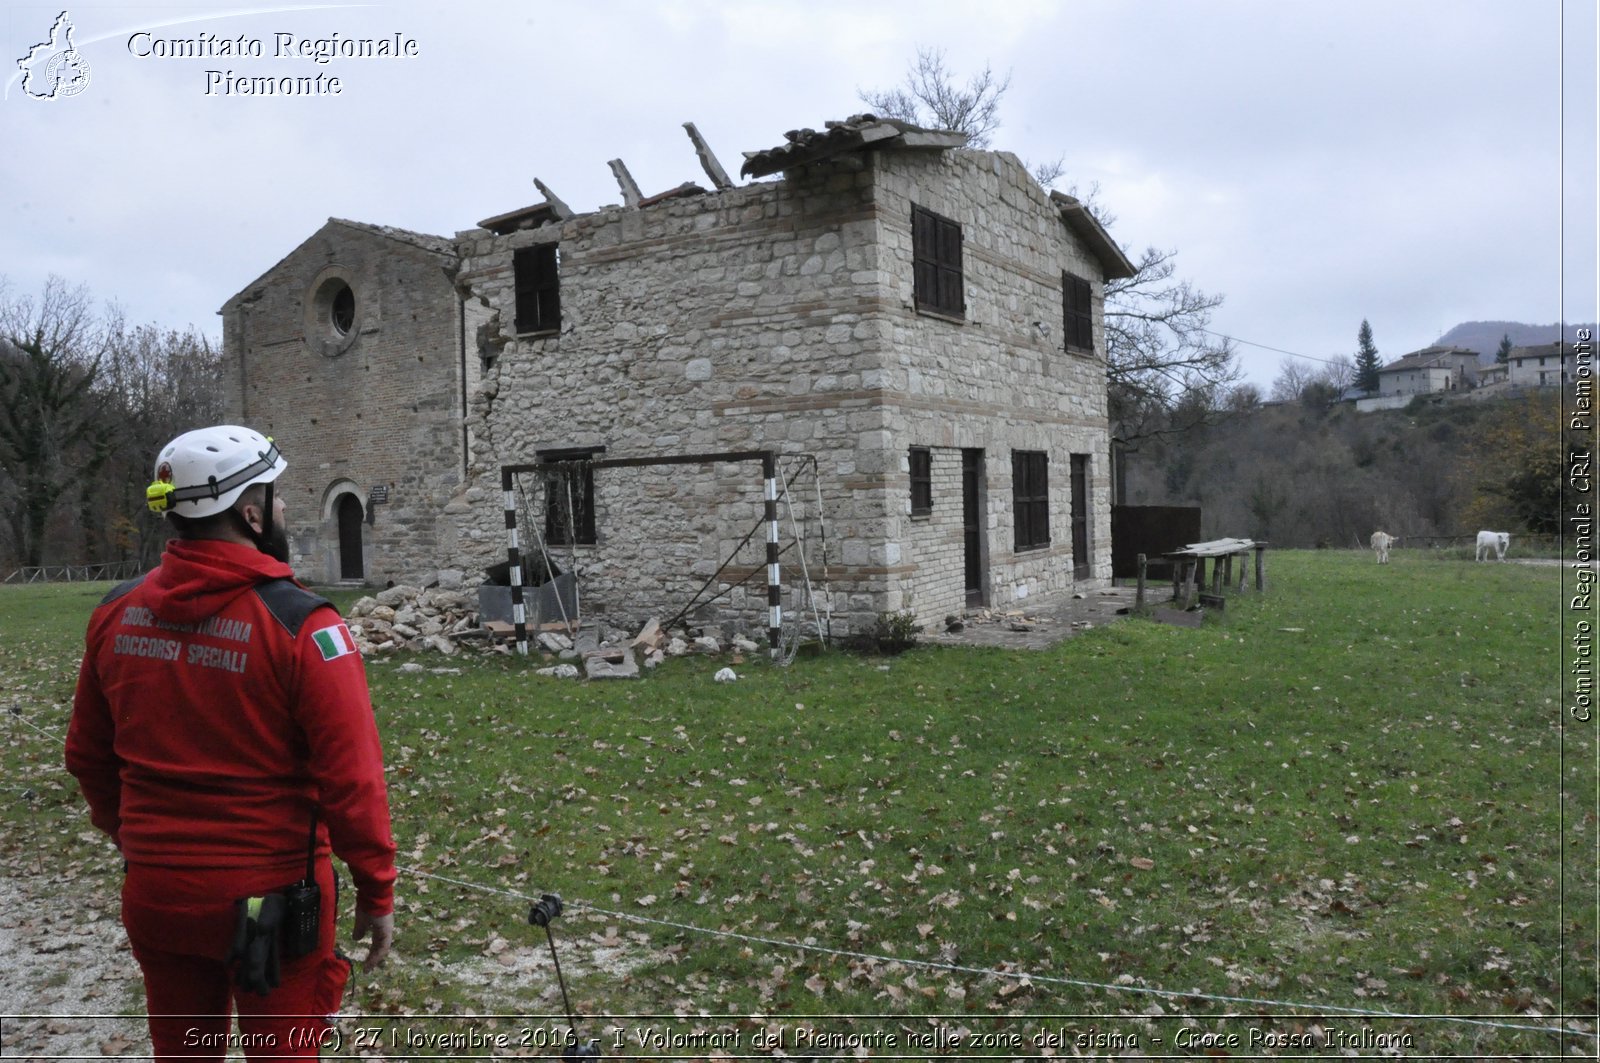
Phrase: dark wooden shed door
(1080, 516)
(972, 524)
(351, 565)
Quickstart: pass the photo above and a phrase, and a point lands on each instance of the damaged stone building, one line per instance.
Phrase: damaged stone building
(913, 325)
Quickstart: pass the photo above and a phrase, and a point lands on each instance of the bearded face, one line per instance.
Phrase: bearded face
(273, 538)
(275, 544)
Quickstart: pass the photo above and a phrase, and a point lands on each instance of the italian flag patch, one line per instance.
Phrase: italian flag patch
(333, 641)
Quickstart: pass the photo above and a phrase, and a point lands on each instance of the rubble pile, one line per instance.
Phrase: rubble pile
(443, 618)
(403, 617)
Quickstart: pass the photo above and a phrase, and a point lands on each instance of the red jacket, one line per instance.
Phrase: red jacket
(219, 703)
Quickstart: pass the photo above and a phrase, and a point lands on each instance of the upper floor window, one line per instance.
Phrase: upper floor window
(537, 279)
(1078, 307)
(921, 481)
(936, 263)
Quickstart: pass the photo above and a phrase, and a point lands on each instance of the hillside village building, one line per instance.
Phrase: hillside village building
(916, 328)
(1429, 371)
(1545, 365)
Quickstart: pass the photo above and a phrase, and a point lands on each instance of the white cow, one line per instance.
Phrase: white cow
(1496, 541)
(1381, 541)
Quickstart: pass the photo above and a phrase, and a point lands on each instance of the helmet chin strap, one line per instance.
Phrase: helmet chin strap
(266, 516)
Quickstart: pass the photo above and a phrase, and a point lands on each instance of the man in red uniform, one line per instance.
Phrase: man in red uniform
(221, 733)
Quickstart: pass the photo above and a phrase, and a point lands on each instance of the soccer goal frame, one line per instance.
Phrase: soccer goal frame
(769, 475)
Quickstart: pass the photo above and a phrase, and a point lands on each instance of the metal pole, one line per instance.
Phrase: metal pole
(519, 616)
(769, 472)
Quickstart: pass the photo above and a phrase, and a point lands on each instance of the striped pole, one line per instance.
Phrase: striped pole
(519, 615)
(769, 471)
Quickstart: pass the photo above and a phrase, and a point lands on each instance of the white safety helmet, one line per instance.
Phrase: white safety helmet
(202, 473)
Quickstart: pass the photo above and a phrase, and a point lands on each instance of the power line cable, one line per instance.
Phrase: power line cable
(1275, 350)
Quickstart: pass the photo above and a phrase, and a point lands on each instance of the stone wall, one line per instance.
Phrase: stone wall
(999, 380)
(677, 321)
(376, 404)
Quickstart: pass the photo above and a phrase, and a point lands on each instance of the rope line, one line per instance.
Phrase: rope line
(16, 714)
(1019, 976)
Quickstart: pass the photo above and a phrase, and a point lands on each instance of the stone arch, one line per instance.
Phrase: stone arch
(345, 510)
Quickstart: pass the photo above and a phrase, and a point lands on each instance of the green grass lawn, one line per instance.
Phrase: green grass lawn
(1355, 798)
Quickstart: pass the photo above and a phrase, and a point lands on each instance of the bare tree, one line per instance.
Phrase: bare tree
(1340, 374)
(85, 401)
(931, 97)
(158, 382)
(52, 433)
(1160, 356)
(1294, 376)
(1242, 398)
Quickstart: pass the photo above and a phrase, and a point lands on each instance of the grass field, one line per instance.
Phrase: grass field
(1351, 814)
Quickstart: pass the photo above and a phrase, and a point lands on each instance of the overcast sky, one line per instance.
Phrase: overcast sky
(1315, 162)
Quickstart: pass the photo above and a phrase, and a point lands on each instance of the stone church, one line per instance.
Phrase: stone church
(914, 327)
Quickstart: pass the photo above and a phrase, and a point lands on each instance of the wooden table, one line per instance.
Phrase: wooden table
(1189, 568)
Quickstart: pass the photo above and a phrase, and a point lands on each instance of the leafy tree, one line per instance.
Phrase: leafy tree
(52, 430)
(1367, 361)
(1503, 355)
(1515, 465)
(1319, 395)
(1268, 498)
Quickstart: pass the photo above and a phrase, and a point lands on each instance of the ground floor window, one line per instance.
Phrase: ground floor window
(921, 481)
(569, 499)
(1030, 496)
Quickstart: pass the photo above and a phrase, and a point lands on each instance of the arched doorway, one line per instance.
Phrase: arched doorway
(351, 564)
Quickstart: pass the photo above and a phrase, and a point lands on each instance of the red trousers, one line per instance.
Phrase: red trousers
(180, 922)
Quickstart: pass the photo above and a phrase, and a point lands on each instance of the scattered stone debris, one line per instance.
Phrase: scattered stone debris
(650, 637)
(1043, 621)
(725, 675)
(610, 662)
(1012, 619)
